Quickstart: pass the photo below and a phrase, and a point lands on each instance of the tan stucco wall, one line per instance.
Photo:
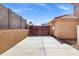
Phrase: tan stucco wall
(51, 30)
(9, 38)
(51, 24)
(66, 28)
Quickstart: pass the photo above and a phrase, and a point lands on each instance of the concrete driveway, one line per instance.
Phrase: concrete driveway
(41, 46)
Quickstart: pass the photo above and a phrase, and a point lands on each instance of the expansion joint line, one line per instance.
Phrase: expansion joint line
(43, 46)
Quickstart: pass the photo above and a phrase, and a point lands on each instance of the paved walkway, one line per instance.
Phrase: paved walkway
(41, 46)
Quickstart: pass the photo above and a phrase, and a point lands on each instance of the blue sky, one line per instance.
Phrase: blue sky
(40, 13)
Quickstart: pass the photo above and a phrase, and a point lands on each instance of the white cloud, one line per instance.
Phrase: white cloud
(63, 7)
(22, 9)
(16, 10)
(44, 5)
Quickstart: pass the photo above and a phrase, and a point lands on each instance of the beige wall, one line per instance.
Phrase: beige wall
(51, 24)
(8, 38)
(51, 30)
(66, 28)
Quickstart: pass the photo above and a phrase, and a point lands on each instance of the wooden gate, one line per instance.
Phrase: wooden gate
(39, 30)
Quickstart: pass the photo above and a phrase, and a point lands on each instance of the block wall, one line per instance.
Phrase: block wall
(9, 38)
(14, 20)
(3, 17)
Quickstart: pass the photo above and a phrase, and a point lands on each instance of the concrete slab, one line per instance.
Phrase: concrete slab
(30, 46)
(61, 52)
(41, 46)
(30, 42)
(51, 42)
(24, 52)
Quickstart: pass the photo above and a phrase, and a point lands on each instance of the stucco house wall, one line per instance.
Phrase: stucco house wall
(65, 27)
